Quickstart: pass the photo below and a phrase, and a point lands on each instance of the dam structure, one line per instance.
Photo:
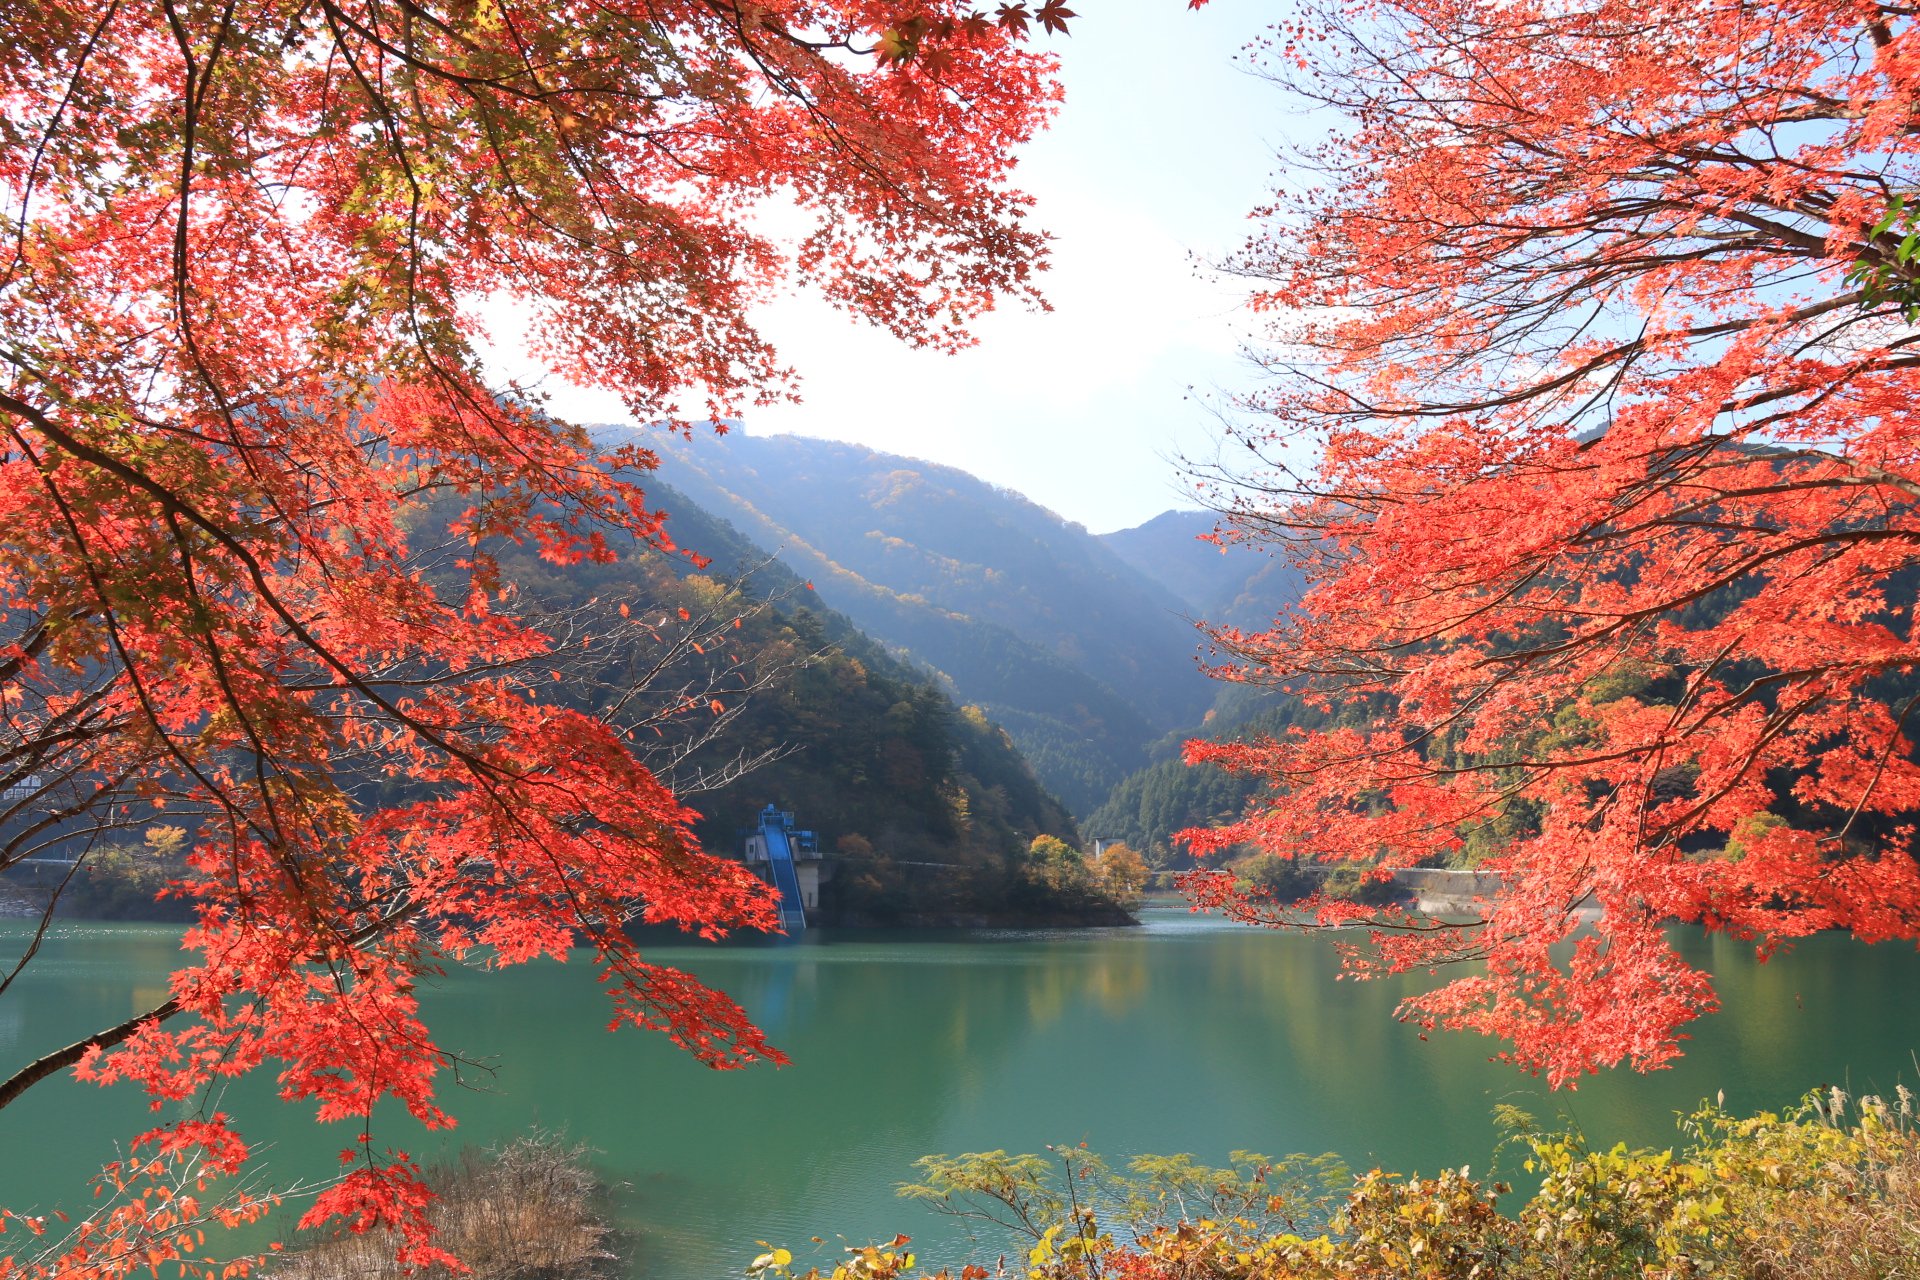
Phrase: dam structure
(788, 859)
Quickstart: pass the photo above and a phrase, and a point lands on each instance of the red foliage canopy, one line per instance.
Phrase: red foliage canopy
(244, 246)
(1600, 331)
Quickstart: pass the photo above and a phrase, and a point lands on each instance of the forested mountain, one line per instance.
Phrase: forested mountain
(1081, 657)
(1233, 584)
(739, 688)
(1149, 805)
(928, 807)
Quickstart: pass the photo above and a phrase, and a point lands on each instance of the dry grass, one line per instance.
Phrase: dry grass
(528, 1210)
(1861, 1221)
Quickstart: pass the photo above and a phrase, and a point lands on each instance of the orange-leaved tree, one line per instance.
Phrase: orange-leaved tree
(1598, 330)
(246, 247)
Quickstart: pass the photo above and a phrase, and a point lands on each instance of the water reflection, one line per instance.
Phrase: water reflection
(1185, 1035)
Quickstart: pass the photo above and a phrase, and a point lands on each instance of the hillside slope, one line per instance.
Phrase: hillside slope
(928, 807)
(1081, 657)
(1234, 585)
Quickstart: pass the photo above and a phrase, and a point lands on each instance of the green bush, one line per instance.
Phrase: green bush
(1827, 1191)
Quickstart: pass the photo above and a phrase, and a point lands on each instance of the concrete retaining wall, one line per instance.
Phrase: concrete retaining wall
(1441, 892)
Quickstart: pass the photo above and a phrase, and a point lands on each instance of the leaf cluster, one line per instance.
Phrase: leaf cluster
(1591, 428)
(1826, 1191)
(246, 253)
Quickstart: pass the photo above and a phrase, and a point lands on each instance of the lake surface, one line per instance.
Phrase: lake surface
(1187, 1034)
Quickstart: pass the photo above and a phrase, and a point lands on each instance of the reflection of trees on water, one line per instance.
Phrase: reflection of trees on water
(1110, 978)
(1829, 1010)
(1201, 1042)
(1135, 1040)
(887, 1039)
(1328, 1056)
(81, 980)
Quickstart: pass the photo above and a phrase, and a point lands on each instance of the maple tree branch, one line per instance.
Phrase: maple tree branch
(87, 49)
(172, 502)
(45, 1065)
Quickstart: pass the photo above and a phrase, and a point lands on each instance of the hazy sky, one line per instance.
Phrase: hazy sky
(1161, 148)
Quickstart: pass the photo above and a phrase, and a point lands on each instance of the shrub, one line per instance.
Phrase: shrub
(527, 1210)
(1827, 1191)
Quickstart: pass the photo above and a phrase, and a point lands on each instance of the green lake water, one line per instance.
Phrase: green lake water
(1184, 1035)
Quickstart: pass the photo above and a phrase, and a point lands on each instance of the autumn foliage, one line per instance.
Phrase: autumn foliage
(248, 252)
(1825, 1191)
(1598, 332)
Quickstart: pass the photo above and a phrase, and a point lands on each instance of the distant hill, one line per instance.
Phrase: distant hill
(737, 687)
(927, 807)
(1234, 584)
(1148, 806)
(1082, 658)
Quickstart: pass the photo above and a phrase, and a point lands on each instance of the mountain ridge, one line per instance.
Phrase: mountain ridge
(1226, 583)
(1080, 656)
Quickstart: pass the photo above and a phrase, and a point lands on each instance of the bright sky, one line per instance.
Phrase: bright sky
(1161, 148)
